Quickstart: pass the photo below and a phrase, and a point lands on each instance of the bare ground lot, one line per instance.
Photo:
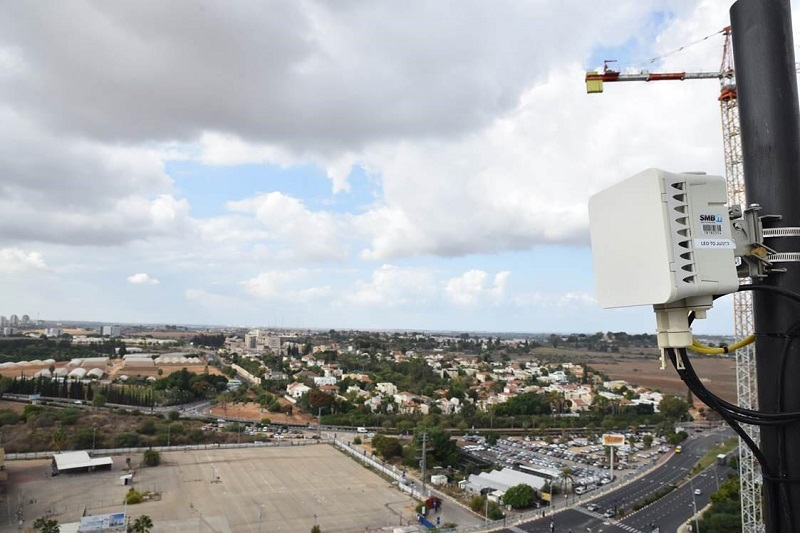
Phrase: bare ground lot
(291, 483)
(717, 373)
(252, 411)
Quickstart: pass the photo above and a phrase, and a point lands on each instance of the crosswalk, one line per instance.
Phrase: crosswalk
(598, 516)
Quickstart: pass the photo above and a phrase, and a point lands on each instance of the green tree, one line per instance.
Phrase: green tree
(133, 497)
(519, 496)
(99, 399)
(387, 447)
(152, 457)
(59, 438)
(143, 524)
(673, 407)
(46, 525)
(316, 529)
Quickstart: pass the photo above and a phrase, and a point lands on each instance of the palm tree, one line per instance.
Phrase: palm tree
(566, 475)
(46, 525)
(143, 524)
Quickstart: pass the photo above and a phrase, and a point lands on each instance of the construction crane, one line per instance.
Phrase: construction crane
(746, 388)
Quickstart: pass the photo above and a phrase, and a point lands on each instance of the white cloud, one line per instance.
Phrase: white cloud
(285, 286)
(142, 279)
(473, 288)
(210, 300)
(393, 286)
(570, 299)
(294, 231)
(16, 260)
(475, 147)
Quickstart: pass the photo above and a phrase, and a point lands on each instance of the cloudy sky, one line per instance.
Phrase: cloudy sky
(355, 164)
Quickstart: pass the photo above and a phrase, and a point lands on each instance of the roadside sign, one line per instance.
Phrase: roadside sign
(613, 439)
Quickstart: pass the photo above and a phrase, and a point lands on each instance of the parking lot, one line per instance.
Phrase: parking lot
(286, 488)
(589, 467)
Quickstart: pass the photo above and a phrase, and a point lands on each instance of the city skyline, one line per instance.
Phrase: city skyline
(359, 166)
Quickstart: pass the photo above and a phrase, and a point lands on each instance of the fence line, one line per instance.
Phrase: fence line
(189, 447)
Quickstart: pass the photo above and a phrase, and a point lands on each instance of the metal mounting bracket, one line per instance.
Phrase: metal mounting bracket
(754, 259)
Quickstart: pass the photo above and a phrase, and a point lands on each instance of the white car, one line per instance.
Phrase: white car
(698, 492)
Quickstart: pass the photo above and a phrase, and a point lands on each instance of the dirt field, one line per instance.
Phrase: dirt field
(252, 411)
(718, 374)
(223, 491)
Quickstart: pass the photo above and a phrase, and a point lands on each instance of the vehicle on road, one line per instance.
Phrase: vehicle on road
(698, 492)
(609, 513)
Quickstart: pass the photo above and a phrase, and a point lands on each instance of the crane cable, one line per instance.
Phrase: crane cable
(675, 51)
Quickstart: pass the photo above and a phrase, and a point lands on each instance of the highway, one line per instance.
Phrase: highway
(667, 513)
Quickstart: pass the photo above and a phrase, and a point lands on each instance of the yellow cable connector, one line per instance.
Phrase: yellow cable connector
(708, 350)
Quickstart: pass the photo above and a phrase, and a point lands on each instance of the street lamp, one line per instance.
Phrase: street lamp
(694, 508)
(260, 515)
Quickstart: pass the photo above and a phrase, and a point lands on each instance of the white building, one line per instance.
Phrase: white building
(387, 389)
(53, 332)
(111, 331)
(297, 389)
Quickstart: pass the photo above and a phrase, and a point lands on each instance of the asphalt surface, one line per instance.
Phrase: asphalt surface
(667, 513)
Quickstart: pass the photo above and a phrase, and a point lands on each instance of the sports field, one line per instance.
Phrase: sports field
(239, 490)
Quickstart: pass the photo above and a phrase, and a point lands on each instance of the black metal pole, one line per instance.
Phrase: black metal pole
(768, 112)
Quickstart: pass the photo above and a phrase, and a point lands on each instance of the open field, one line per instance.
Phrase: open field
(717, 373)
(253, 411)
(287, 485)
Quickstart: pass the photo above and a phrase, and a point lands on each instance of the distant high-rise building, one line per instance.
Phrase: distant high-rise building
(111, 331)
(54, 332)
(26, 320)
(251, 340)
(13, 321)
(3, 321)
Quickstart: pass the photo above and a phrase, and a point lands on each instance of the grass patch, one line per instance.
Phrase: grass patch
(711, 457)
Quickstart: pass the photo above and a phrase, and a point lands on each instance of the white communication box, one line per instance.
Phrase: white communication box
(660, 237)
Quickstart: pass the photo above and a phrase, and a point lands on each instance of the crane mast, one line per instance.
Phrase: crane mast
(746, 388)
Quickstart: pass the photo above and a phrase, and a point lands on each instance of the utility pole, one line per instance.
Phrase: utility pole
(770, 133)
(319, 423)
(694, 508)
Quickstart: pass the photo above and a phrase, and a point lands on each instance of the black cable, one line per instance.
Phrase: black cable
(770, 288)
(777, 486)
(709, 399)
(690, 378)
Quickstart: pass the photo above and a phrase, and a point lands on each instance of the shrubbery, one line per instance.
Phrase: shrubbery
(133, 497)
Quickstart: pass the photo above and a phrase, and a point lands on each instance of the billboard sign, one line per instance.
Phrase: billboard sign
(102, 522)
(613, 439)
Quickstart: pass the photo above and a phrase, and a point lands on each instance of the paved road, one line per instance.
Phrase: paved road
(668, 513)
